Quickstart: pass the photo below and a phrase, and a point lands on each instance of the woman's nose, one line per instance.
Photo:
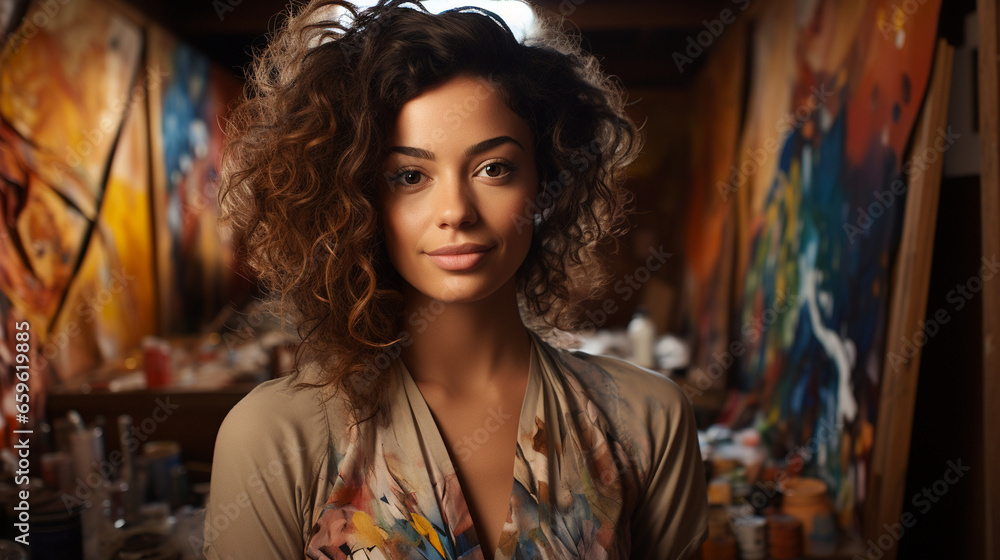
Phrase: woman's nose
(454, 204)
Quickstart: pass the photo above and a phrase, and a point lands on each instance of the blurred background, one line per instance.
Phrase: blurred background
(810, 259)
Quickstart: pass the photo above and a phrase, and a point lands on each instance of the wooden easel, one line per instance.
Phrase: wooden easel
(910, 284)
(989, 126)
(888, 476)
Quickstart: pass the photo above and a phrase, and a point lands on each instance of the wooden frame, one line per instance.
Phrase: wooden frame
(910, 284)
(989, 126)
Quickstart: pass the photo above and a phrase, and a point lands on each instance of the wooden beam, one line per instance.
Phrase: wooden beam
(249, 17)
(989, 126)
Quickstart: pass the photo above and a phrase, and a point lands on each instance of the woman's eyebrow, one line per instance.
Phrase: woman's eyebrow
(413, 152)
(472, 150)
(488, 144)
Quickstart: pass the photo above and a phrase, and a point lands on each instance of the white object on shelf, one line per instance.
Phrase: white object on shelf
(642, 335)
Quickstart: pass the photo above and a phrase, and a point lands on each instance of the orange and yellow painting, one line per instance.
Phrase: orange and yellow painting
(77, 220)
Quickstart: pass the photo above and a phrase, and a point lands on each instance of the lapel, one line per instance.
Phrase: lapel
(440, 469)
(396, 490)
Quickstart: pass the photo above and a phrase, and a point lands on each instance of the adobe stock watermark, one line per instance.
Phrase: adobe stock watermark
(795, 460)
(472, 443)
(245, 329)
(923, 500)
(696, 44)
(453, 118)
(537, 209)
(349, 50)
(111, 118)
(892, 28)
(86, 312)
(884, 199)
(248, 325)
(754, 158)
(568, 7)
(40, 19)
(223, 7)
(958, 297)
(227, 513)
(626, 287)
(419, 319)
(456, 115)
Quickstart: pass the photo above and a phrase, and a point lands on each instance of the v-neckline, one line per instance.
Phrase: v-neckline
(429, 429)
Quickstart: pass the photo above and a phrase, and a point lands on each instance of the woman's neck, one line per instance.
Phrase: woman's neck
(464, 347)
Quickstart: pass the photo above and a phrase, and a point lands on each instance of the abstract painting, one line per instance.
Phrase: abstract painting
(64, 90)
(111, 301)
(188, 105)
(836, 88)
(76, 244)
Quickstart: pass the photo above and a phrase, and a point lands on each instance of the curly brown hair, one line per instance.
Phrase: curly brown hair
(306, 145)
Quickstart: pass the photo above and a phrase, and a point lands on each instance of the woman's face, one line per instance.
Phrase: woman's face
(460, 182)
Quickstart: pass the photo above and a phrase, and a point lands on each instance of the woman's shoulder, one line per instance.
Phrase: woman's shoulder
(634, 400)
(287, 409)
(283, 395)
(267, 470)
(642, 410)
(610, 376)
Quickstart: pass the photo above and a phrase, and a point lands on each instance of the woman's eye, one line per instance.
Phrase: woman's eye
(496, 169)
(406, 178)
(493, 169)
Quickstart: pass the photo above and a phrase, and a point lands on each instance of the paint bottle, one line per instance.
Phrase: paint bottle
(784, 536)
(642, 335)
(156, 353)
(823, 538)
(751, 540)
(806, 499)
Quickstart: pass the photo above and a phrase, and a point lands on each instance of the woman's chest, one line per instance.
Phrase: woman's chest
(533, 497)
(482, 444)
(552, 482)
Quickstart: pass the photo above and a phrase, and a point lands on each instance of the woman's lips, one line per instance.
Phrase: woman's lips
(459, 261)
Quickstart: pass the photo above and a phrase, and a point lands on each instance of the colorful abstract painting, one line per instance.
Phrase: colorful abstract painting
(111, 302)
(73, 191)
(64, 90)
(835, 92)
(188, 105)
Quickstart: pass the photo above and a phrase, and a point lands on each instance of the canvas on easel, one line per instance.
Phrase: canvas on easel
(907, 325)
(836, 89)
(187, 108)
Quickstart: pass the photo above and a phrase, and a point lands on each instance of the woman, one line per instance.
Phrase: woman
(427, 195)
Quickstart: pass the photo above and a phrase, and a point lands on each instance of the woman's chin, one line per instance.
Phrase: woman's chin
(455, 289)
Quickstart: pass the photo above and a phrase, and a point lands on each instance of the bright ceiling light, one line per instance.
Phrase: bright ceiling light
(518, 15)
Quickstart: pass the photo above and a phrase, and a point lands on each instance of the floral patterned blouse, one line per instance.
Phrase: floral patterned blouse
(607, 466)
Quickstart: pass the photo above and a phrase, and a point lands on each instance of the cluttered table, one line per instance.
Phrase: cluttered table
(125, 452)
(149, 437)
